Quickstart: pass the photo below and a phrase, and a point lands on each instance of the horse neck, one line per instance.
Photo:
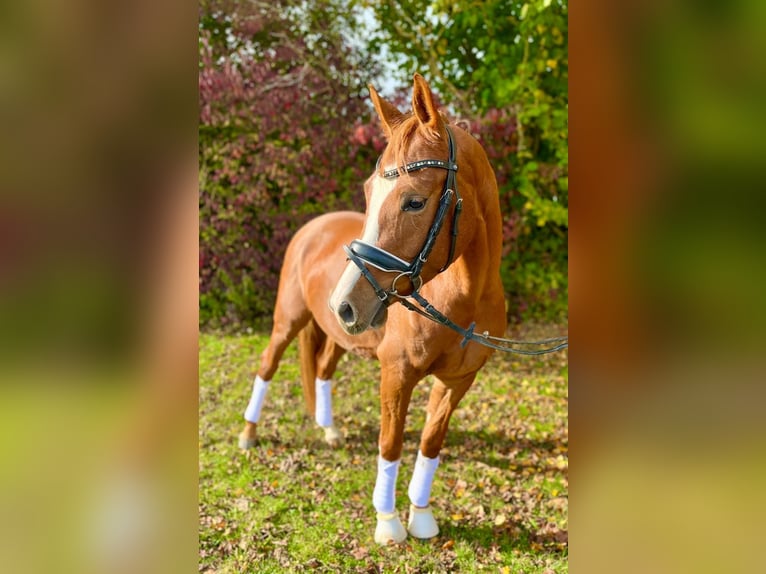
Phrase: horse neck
(476, 269)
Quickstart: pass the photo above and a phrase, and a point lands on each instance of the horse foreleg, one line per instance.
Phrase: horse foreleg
(394, 400)
(442, 402)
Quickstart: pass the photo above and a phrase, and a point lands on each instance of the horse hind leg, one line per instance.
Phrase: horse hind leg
(319, 359)
(289, 319)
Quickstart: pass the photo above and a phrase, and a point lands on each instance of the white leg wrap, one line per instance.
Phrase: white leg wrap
(422, 479)
(384, 495)
(323, 402)
(253, 411)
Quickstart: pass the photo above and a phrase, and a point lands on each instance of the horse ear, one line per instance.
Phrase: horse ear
(423, 104)
(387, 112)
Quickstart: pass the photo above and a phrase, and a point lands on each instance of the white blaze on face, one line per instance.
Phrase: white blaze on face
(381, 189)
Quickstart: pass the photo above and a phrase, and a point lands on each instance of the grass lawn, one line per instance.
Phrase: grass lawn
(292, 504)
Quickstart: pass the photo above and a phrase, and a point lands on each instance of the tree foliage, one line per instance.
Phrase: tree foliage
(279, 95)
(503, 65)
(286, 131)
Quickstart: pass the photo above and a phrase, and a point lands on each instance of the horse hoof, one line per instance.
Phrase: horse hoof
(245, 442)
(333, 436)
(389, 529)
(421, 523)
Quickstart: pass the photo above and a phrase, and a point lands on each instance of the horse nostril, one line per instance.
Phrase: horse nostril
(346, 312)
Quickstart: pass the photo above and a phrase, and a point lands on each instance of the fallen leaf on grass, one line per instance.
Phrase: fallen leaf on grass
(447, 545)
(558, 503)
(500, 519)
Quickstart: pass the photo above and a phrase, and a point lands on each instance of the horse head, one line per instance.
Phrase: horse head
(415, 198)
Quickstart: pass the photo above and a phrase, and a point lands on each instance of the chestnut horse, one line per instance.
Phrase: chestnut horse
(407, 247)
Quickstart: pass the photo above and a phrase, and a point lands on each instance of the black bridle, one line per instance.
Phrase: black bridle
(363, 254)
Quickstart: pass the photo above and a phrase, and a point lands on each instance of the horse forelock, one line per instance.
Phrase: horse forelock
(404, 135)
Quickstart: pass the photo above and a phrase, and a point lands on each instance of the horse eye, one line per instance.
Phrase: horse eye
(413, 204)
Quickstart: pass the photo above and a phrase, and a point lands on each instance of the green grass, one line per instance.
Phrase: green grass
(292, 504)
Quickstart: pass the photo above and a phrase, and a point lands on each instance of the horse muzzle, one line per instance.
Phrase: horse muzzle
(351, 321)
(355, 306)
